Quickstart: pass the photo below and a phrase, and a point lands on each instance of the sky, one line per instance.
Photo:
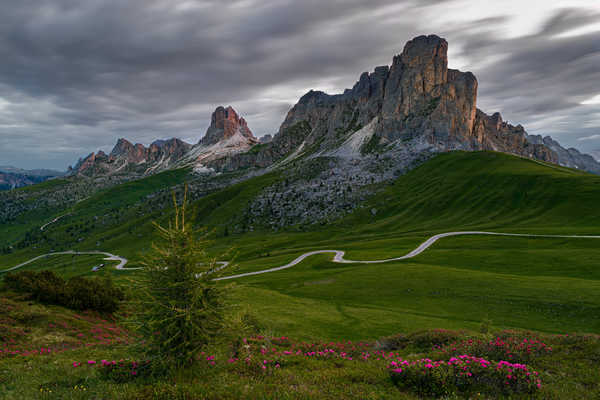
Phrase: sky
(77, 75)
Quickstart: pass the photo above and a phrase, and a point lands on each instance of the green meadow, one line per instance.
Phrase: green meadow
(546, 284)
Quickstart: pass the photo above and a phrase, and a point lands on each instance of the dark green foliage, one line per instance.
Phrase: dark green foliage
(299, 130)
(431, 106)
(92, 294)
(181, 308)
(77, 293)
(435, 337)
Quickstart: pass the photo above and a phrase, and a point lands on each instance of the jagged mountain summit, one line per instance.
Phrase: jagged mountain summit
(228, 134)
(416, 105)
(225, 123)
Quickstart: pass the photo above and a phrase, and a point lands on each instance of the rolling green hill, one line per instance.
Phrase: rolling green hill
(459, 282)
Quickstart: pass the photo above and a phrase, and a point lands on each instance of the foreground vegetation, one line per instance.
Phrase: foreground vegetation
(57, 353)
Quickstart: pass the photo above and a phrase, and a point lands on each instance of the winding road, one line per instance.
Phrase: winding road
(338, 254)
(109, 257)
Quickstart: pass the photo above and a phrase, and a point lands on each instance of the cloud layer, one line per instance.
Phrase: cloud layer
(76, 76)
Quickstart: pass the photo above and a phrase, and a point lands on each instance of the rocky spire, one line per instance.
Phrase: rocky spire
(225, 123)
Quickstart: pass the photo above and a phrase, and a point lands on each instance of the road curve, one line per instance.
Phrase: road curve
(339, 254)
(109, 257)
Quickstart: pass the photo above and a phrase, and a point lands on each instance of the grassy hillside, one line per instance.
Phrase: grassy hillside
(485, 189)
(459, 282)
(86, 224)
(453, 191)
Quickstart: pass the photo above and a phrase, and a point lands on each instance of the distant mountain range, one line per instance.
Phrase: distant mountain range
(415, 106)
(12, 177)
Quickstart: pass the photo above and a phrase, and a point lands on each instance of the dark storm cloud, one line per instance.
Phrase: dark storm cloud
(76, 75)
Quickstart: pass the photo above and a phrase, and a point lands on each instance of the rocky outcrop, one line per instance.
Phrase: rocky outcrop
(224, 124)
(227, 135)
(494, 134)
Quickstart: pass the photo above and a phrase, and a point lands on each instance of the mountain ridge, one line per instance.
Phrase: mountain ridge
(415, 106)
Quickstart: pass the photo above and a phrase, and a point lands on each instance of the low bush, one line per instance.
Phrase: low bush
(77, 293)
(464, 375)
(92, 294)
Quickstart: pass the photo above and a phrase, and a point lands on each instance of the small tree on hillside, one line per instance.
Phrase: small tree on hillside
(181, 307)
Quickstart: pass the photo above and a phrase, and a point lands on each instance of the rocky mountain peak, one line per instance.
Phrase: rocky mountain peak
(415, 103)
(427, 56)
(123, 146)
(224, 124)
(126, 150)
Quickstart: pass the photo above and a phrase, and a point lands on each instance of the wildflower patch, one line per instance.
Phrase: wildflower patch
(464, 375)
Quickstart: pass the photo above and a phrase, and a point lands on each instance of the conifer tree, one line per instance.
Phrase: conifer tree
(181, 306)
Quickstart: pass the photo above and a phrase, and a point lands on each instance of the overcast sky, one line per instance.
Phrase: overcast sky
(75, 75)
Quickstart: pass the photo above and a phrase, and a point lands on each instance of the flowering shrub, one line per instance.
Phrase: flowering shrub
(101, 333)
(511, 348)
(463, 375)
